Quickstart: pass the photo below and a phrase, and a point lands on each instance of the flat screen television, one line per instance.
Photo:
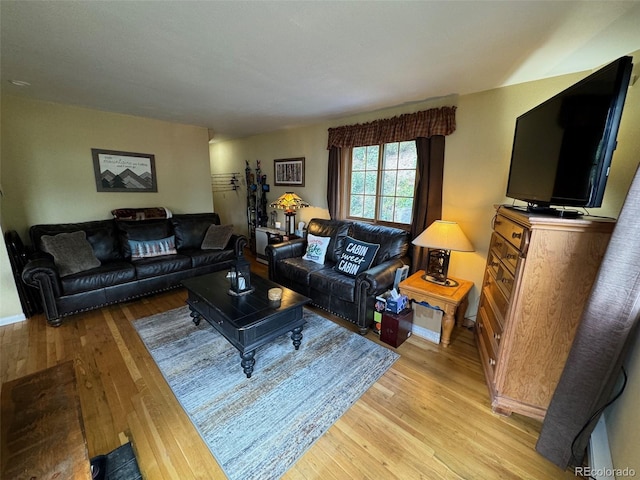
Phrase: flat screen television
(562, 148)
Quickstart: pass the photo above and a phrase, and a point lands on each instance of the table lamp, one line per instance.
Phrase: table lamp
(289, 202)
(440, 238)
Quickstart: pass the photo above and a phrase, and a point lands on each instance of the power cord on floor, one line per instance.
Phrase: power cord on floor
(595, 417)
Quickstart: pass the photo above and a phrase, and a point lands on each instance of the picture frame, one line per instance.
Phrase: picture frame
(117, 171)
(288, 172)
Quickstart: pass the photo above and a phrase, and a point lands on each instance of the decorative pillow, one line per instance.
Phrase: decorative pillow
(356, 257)
(316, 248)
(72, 252)
(152, 248)
(217, 237)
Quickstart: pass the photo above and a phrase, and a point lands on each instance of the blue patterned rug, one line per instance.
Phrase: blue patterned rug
(257, 428)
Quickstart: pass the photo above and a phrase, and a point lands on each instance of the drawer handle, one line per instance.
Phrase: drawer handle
(498, 244)
(496, 336)
(511, 256)
(220, 322)
(492, 362)
(494, 264)
(516, 235)
(506, 280)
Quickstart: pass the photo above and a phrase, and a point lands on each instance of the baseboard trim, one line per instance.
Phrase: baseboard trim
(12, 319)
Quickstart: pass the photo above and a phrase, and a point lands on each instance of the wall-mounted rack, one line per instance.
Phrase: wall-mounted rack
(225, 182)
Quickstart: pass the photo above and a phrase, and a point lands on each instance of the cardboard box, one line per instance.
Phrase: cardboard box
(427, 321)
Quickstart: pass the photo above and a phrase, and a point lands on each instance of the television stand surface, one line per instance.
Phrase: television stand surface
(549, 211)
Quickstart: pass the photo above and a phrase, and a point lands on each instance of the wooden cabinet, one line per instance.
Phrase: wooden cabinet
(537, 279)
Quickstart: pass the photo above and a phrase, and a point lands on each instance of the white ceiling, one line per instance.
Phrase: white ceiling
(242, 68)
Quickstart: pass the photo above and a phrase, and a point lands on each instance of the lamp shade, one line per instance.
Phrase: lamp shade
(444, 235)
(289, 201)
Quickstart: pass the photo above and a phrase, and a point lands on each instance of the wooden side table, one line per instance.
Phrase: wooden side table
(452, 300)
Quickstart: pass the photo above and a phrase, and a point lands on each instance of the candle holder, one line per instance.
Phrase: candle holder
(240, 278)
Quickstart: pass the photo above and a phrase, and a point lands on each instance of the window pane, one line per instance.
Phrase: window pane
(406, 182)
(386, 209)
(357, 158)
(372, 157)
(389, 182)
(357, 182)
(390, 156)
(371, 183)
(369, 207)
(408, 155)
(356, 206)
(404, 207)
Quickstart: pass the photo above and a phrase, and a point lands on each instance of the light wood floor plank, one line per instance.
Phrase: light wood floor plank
(428, 417)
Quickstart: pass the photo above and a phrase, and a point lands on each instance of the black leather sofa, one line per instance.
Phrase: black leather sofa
(349, 297)
(118, 278)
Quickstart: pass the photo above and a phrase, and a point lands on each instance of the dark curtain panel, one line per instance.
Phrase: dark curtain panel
(608, 323)
(334, 182)
(428, 198)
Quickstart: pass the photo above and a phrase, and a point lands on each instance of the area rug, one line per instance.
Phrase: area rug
(257, 428)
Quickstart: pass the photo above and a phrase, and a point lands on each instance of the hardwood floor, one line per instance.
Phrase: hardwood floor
(427, 417)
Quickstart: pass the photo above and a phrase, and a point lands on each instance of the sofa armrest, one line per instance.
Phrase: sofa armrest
(42, 274)
(378, 279)
(279, 251)
(239, 242)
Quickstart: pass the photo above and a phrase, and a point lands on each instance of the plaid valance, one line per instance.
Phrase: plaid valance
(409, 126)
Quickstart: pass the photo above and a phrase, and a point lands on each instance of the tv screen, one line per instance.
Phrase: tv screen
(562, 148)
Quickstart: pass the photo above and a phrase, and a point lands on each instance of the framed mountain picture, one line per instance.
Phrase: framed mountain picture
(124, 171)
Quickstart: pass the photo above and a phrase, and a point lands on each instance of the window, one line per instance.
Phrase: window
(382, 182)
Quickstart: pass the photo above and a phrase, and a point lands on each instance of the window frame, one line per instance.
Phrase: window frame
(347, 172)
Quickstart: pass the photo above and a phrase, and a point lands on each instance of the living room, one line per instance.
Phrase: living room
(46, 168)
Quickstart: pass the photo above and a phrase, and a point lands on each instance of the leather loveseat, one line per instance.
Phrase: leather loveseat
(335, 284)
(115, 273)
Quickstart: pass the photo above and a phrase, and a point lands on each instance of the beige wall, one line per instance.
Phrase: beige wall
(477, 160)
(476, 167)
(47, 170)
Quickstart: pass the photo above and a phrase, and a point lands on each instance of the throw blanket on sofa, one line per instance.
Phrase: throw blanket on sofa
(148, 213)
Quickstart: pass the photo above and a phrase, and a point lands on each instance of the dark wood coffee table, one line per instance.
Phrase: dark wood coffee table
(247, 321)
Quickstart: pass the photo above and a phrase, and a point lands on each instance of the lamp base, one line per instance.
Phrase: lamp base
(449, 282)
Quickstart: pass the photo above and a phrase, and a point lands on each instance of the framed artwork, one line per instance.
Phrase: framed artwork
(124, 171)
(289, 171)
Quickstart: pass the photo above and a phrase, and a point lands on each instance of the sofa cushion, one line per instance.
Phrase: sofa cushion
(217, 237)
(298, 270)
(190, 228)
(155, 266)
(141, 231)
(330, 281)
(394, 242)
(152, 248)
(357, 257)
(336, 229)
(72, 252)
(316, 248)
(106, 275)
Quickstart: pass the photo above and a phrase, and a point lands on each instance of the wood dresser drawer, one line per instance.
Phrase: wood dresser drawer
(514, 233)
(500, 300)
